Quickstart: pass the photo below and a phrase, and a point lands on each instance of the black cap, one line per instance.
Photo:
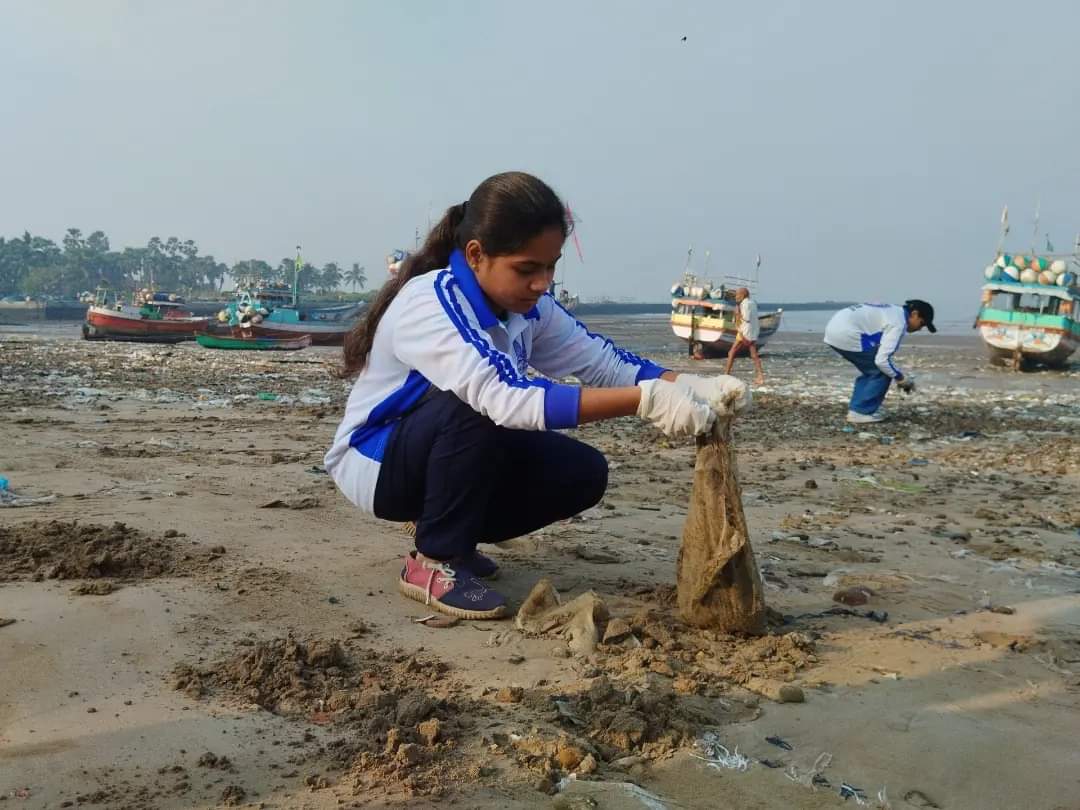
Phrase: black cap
(924, 309)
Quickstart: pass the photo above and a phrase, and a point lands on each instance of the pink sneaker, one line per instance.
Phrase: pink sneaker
(455, 591)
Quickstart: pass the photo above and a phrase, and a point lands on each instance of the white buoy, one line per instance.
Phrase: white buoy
(1011, 272)
(1001, 261)
(992, 273)
(1058, 266)
(1028, 276)
(1046, 277)
(1065, 279)
(1019, 261)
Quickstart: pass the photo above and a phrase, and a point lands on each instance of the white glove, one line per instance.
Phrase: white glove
(674, 410)
(727, 395)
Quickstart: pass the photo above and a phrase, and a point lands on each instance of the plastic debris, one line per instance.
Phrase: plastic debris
(438, 620)
(814, 777)
(10, 499)
(851, 792)
(779, 742)
(718, 755)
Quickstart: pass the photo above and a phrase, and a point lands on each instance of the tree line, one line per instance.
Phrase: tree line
(36, 266)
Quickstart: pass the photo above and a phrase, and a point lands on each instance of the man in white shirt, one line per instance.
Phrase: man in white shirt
(867, 336)
(747, 328)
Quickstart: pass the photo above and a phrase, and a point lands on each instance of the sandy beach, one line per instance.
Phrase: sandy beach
(201, 620)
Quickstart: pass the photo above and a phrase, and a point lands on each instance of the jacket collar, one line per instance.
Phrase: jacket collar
(466, 279)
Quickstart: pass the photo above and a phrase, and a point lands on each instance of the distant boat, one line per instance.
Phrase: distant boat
(272, 310)
(152, 317)
(1030, 310)
(252, 342)
(704, 314)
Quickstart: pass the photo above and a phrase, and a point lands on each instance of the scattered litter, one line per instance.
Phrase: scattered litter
(594, 556)
(873, 615)
(918, 462)
(566, 713)
(779, 742)
(851, 792)
(814, 777)
(578, 620)
(300, 502)
(9, 498)
(4, 622)
(650, 801)
(718, 755)
(438, 620)
(267, 396)
(771, 763)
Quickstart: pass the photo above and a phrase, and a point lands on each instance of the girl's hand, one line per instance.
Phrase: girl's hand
(727, 395)
(673, 409)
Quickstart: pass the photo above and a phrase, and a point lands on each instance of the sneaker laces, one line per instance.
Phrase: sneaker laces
(446, 576)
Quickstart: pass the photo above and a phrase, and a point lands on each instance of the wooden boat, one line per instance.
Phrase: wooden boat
(252, 342)
(1029, 324)
(153, 317)
(272, 310)
(704, 314)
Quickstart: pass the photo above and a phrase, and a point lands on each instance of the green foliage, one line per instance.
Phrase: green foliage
(35, 266)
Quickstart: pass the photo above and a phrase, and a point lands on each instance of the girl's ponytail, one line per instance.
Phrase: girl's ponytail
(435, 253)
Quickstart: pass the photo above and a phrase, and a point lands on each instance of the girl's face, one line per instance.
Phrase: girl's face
(514, 283)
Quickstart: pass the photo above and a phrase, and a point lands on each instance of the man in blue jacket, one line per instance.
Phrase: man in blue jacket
(867, 336)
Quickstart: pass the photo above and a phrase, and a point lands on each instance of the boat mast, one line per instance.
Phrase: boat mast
(1004, 230)
(1035, 232)
(296, 278)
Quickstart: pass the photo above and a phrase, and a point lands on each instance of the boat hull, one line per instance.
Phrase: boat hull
(714, 337)
(107, 324)
(252, 343)
(1018, 344)
(322, 334)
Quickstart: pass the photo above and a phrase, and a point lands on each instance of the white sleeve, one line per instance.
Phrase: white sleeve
(891, 336)
(437, 335)
(562, 345)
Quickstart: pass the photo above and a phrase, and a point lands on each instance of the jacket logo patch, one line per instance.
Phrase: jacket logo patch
(520, 356)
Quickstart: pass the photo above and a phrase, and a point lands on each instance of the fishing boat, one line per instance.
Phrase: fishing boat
(152, 317)
(252, 342)
(703, 313)
(1030, 310)
(566, 300)
(272, 310)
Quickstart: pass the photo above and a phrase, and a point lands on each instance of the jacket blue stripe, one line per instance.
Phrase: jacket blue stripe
(647, 370)
(371, 437)
(444, 290)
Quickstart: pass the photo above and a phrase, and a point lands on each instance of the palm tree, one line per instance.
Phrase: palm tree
(356, 277)
(330, 277)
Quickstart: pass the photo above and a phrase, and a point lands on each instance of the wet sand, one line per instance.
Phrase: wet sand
(274, 636)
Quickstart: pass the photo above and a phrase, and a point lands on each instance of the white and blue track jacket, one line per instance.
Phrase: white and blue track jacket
(439, 331)
(870, 328)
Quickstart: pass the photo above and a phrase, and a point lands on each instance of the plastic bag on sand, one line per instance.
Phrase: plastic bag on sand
(579, 620)
(718, 581)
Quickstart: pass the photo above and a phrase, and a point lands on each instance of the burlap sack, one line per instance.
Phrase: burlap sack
(718, 581)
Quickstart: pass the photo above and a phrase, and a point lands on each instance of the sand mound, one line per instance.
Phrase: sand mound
(402, 715)
(60, 550)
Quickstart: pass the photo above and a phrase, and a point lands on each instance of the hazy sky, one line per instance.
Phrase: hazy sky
(864, 148)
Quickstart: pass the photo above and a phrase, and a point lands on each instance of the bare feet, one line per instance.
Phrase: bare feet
(759, 380)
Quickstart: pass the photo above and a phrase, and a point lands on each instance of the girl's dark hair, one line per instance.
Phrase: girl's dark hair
(503, 213)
